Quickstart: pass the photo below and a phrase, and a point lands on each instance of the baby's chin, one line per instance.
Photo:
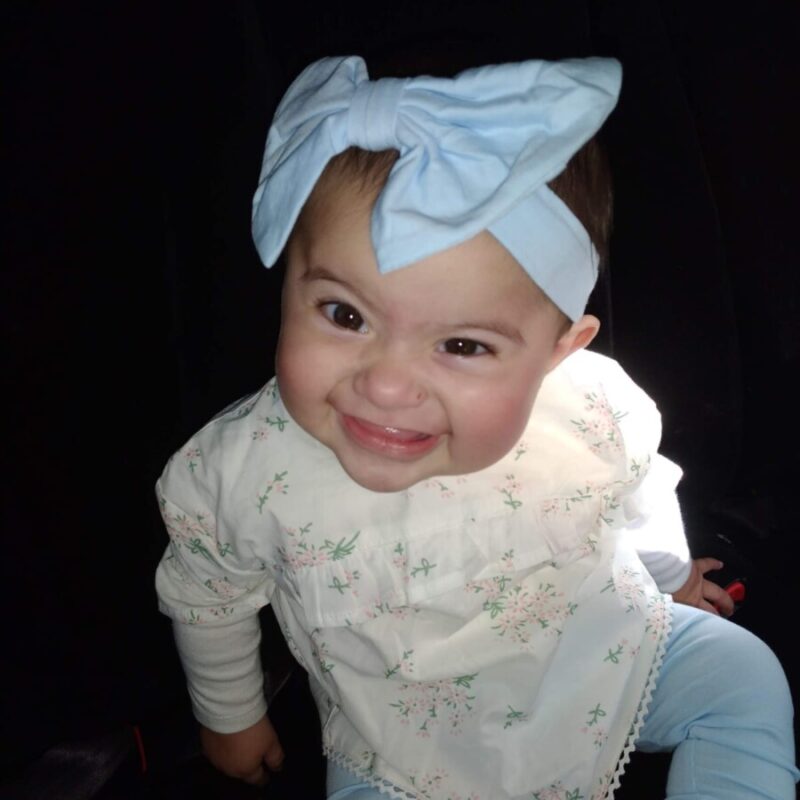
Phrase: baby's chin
(383, 481)
(391, 481)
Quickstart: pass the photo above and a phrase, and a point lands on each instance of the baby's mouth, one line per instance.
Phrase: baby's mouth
(388, 440)
(399, 434)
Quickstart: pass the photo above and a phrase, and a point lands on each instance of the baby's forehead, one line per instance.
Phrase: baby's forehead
(332, 245)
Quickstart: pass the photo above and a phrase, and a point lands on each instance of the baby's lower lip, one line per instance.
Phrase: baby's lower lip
(387, 440)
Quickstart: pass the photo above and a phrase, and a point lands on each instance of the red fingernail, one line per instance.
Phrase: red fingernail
(736, 590)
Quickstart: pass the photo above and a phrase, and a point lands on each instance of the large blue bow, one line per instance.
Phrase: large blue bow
(476, 152)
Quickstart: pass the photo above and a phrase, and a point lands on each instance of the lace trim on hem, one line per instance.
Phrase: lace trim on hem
(373, 781)
(396, 793)
(644, 706)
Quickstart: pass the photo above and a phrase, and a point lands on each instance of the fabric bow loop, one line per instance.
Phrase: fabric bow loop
(372, 116)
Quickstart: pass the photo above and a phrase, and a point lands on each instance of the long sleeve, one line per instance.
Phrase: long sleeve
(223, 671)
(213, 602)
(214, 576)
(656, 526)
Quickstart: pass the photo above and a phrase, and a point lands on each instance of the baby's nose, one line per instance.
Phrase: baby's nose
(390, 382)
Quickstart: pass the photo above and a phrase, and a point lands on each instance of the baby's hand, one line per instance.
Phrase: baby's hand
(244, 754)
(702, 593)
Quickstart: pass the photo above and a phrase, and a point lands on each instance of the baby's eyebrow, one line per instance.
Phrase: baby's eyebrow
(494, 326)
(317, 273)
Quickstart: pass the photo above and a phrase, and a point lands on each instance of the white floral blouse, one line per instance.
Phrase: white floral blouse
(483, 637)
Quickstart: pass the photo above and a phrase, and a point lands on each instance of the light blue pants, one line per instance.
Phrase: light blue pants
(721, 704)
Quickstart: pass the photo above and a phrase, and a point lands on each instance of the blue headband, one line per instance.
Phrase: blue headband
(476, 152)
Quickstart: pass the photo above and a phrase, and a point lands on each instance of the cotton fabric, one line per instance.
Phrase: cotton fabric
(721, 699)
(449, 630)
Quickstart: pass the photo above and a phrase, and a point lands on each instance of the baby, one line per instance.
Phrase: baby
(477, 587)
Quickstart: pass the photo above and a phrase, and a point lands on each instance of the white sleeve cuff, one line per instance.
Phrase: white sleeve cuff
(223, 670)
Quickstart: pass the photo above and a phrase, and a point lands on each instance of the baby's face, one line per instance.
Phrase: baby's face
(428, 370)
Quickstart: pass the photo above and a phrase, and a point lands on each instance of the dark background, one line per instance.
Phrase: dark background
(134, 305)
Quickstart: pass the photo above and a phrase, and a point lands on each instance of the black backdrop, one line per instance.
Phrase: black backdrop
(134, 306)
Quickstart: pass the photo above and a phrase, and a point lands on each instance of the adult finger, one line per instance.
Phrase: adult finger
(708, 564)
(706, 606)
(721, 600)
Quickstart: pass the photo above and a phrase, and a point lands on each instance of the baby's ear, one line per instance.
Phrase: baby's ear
(577, 336)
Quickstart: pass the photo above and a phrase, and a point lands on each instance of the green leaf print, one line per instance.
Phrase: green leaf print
(342, 548)
(276, 485)
(339, 586)
(196, 546)
(278, 422)
(404, 663)
(613, 655)
(595, 714)
(424, 567)
(514, 716)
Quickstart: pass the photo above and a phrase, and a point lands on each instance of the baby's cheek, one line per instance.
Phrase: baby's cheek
(494, 425)
(300, 376)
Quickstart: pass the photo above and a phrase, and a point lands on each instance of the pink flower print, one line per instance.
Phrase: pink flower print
(400, 561)
(429, 782)
(455, 720)
(352, 576)
(656, 617)
(302, 554)
(519, 610)
(508, 490)
(588, 545)
(596, 428)
(277, 485)
(490, 588)
(627, 585)
(550, 507)
(222, 587)
(599, 736)
(517, 604)
(520, 449)
(312, 557)
(556, 791)
(429, 704)
(507, 560)
(260, 435)
(604, 786)
(600, 429)
(320, 650)
(192, 456)
(578, 496)
(404, 666)
(445, 491)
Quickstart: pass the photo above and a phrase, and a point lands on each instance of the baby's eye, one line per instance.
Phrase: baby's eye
(465, 347)
(345, 316)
